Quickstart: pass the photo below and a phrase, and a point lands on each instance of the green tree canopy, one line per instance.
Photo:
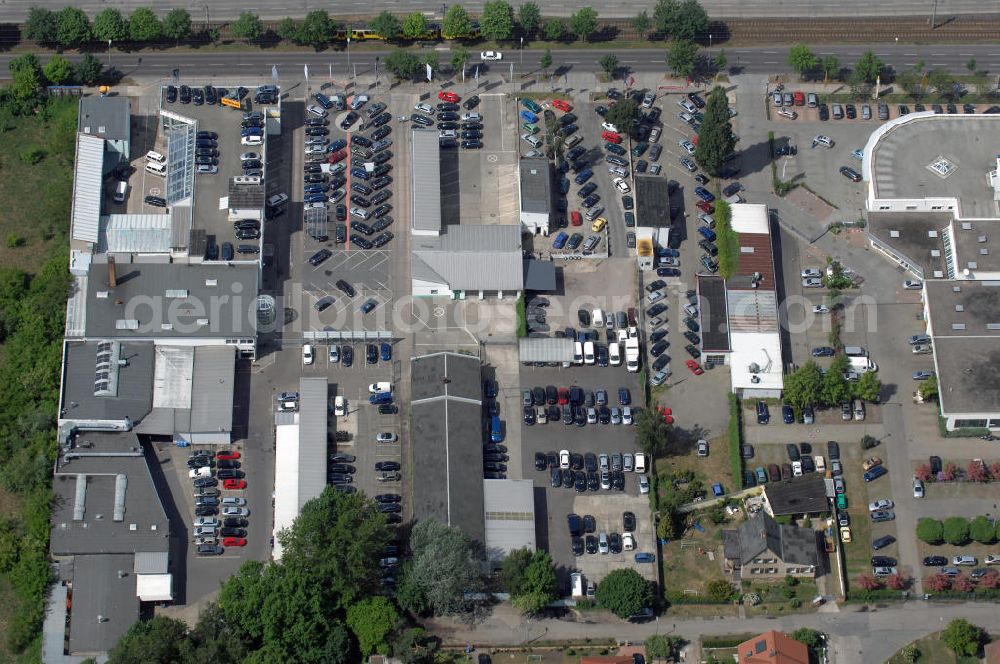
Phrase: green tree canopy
(720, 590)
(868, 67)
(963, 637)
(982, 531)
(110, 24)
(802, 59)
(402, 63)
(956, 530)
(156, 641)
(555, 29)
(836, 388)
(583, 22)
(830, 66)
(512, 570)
(497, 20)
(443, 567)
(456, 23)
(652, 433)
(930, 530)
(386, 25)
(682, 57)
(459, 57)
(808, 637)
(317, 28)
(641, 23)
(247, 27)
(26, 80)
(144, 25)
(716, 139)
(288, 29)
(929, 388)
(727, 241)
(538, 586)
(680, 19)
(529, 16)
(868, 387)
(942, 82)
(546, 60)
(625, 593)
(372, 620)
(415, 25)
(58, 70)
(609, 63)
(72, 27)
(177, 24)
(40, 26)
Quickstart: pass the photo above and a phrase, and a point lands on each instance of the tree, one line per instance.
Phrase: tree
(682, 57)
(26, 77)
(652, 432)
(110, 24)
(625, 593)
(443, 567)
(810, 638)
(539, 586)
(609, 63)
(642, 24)
(930, 530)
(664, 647)
(72, 27)
(685, 19)
(802, 59)
(976, 472)
(456, 23)
(317, 29)
(804, 386)
(177, 24)
(371, 620)
(546, 61)
(923, 473)
(868, 582)
(982, 531)
(247, 27)
(554, 29)
(868, 67)
(716, 139)
(212, 640)
(830, 66)
(963, 637)
(720, 590)
(512, 570)
(497, 20)
(402, 63)
(868, 387)
(937, 582)
(413, 646)
(58, 70)
(386, 25)
(942, 82)
(333, 537)
(949, 472)
(835, 387)
(157, 640)
(721, 61)
(727, 241)
(909, 81)
(143, 25)
(288, 29)
(529, 16)
(897, 582)
(459, 58)
(929, 389)
(40, 26)
(583, 22)
(431, 58)
(414, 25)
(970, 64)
(956, 530)
(962, 584)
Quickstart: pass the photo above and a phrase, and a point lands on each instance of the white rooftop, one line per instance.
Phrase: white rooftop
(762, 349)
(749, 218)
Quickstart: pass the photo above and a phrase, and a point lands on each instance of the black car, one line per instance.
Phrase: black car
(577, 545)
(591, 544)
(471, 102)
(347, 355)
(387, 465)
(833, 450)
(348, 120)
(935, 463)
(887, 561)
(185, 94)
(529, 416)
(555, 477)
(933, 561)
(793, 452)
(568, 478)
(235, 522)
(851, 111)
(628, 522)
(230, 474)
(206, 510)
(387, 409)
(386, 508)
(540, 461)
(371, 357)
(883, 542)
(824, 112)
(155, 201)
(233, 532)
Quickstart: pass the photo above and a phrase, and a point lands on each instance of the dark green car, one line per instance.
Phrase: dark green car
(639, 149)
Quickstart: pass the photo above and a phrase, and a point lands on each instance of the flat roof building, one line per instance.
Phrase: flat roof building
(469, 259)
(509, 517)
(108, 118)
(425, 182)
(535, 180)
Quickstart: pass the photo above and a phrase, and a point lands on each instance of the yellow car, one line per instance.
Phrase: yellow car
(599, 224)
(845, 534)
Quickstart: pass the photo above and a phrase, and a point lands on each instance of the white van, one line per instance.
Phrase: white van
(588, 352)
(598, 318)
(787, 113)
(120, 190)
(859, 410)
(156, 157)
(533, 141)
(156, 168)
(615, 354)
(577, 353)
(576, 581)
(340, 406)
(855, 351)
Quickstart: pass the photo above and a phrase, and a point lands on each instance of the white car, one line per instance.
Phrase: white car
(252, 140)
(564, 459)
(628, 542)
(880, 504)
(377, 388)
(991, 560)
(233, 500)
(235, 511)
(307, 354)
(318, 111)
(918, 488)
(687, 106)
(610, 127)
(204, 471)
(247, 156)
(820, 463)
(687, 145)
(797, 468)
(821, 309)
(810, 272)
(643, 484)
(340, 406)
(825, 141)
(910, 284)
(812, 282)
(703, 448)
(209, 521)
(385, 437)
(425, 108)
(622, 186)
(315, 206)
(491, 56)
(627, 419)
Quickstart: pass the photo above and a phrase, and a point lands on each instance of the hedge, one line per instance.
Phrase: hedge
(735, 440)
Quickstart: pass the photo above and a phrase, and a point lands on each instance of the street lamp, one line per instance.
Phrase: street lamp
(109, 54)
(522, 51)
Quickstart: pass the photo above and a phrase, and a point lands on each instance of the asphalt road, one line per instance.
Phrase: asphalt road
(758, 60)
(16, 10)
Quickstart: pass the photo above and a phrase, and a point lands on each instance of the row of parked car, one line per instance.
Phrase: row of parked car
(220, 521)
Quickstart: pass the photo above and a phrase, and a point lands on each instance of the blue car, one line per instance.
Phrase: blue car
(528, 116)
(496, 433)
(323, 100)
(624, 398)
(316, 188)
(315, 198)
(875, 473)
(787, 414)
(380, 398)
(338, 144)
(583, 176)
(560, 240)
(666, 252)
(645, 558)
(707, 233)
(564, 185)
(704, 194)
(360, 173)
(386, 352)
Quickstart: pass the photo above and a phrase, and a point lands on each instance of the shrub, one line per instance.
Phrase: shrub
(32, 156)
(868, 442)
(795, 602)
(956, 530)
(930, 530)
(14, 240)
(982, 531)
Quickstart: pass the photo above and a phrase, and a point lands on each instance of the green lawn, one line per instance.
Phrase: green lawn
(932, 651)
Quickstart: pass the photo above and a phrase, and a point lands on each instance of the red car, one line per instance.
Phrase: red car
(611, 137)
(234, 541)
(228, 454)
(339, 155)
(562, 106)
(575, 218)
(694, 367)
(234, 484)
(449, 97)
(666, 413)
(563, 396)
(707, 208)
(799, 98)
